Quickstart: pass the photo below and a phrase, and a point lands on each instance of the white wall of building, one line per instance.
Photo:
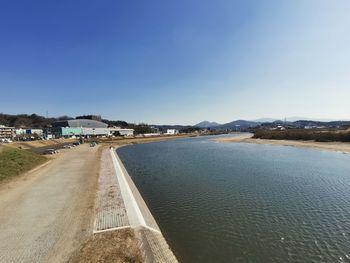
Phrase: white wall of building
(95, 131)
(122, 132)
(20, 131)
(35, 131)
(172, 131)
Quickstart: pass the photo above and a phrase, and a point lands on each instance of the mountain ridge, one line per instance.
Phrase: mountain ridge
(207, 124)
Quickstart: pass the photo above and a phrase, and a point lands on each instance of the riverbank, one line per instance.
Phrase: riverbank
(120, 141)
(69, 185)
(247, 138)
(122, 217)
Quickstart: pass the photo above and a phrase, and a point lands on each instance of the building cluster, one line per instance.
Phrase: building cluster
(86, 128)
(66, 129)
(83, 126)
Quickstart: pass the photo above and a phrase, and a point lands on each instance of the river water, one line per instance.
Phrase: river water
(238, 202)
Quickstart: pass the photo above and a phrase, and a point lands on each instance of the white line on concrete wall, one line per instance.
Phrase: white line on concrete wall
(152, 229)
(124, 185)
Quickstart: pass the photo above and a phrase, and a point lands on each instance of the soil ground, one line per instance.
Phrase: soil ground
(47, 214)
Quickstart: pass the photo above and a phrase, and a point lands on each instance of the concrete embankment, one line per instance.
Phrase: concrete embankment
(120, 207)
(48, 215)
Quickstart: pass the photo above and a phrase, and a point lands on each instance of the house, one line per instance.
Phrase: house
(172, 131)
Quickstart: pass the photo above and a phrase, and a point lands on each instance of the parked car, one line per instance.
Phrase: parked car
(67, 146)
(50, 151)
(76, 143)
(6, 140)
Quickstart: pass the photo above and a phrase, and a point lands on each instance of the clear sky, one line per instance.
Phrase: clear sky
(176, 62)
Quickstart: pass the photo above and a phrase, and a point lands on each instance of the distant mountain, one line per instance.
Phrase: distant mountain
(239, 124)
(207, 124)
(265, 120)
(296, 118)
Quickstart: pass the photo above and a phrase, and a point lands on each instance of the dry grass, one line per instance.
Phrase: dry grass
(15, 161)
(114, 246)
(40, 143)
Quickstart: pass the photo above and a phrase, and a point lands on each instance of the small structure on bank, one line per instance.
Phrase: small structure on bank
(172, 131)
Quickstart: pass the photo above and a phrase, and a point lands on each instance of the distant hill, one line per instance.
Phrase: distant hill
(265, 120)
(207, 124)
(240, 124)
(297, 118)
(37, 121)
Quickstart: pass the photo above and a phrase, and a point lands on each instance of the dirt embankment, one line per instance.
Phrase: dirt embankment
(15, 161)
(139, 140)
(40, 143)
(331, 146)
(20, 157)
(48, 214)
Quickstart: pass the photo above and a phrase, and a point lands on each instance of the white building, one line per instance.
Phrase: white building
(151, 134)
(38, 132)
(20, 131)
(95, 131)
(172, 132)
(7, 132)
(122, 132)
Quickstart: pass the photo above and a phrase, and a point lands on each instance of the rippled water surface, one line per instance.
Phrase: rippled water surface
(235, 202)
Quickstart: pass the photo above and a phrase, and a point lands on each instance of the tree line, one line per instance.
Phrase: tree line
(28, 120)
(303, 134)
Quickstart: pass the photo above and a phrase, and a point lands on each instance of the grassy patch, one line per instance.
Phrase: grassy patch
(16, 161)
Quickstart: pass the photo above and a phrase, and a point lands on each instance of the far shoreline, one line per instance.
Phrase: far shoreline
(341, 147)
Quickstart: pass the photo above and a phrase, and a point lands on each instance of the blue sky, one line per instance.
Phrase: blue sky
(176, 62)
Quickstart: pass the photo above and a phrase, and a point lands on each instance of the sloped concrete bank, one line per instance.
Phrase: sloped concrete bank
(153, 243)
(119, 208)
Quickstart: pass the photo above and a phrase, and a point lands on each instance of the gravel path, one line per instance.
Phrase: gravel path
(48, 214)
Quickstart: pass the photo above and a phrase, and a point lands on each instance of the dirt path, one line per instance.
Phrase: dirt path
(48, 214)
